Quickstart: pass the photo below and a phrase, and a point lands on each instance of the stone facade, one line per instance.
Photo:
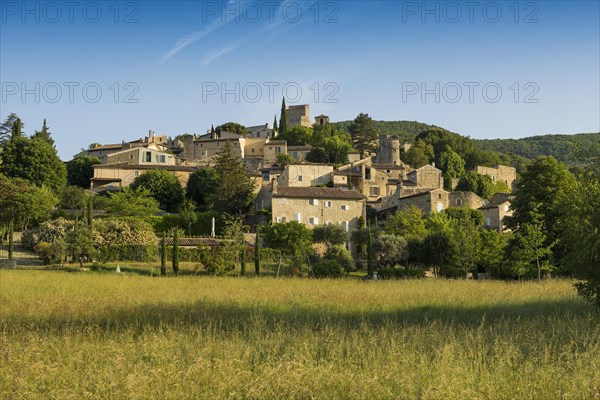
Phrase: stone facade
(299, 153)
(500, 173)
(140, 155)
(321, 119)
(496, 215)
(429, 202)
(195, 149)
(298, 115)
(117, 176)
(389, 150)
(259, 131)
(465, 199)
(305, 175)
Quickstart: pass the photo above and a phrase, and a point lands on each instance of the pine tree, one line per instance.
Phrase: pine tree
(44, 134)
(364, 136)
(234, 190)
(283, 118)
(176, 251)
(275, 127)
(7, 126)
(163, 254)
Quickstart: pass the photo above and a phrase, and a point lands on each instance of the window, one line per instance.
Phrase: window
(313, 202)
(279, 220)
(488, 222)
(459, 202)
(131, 157)
(148, 156)
(136, 173)
(344, 225)
(162, 158)
(328, 204)
(298, 217)
(346, 207)
(374, 191)
(299, 178)
(313, 221)
(440, 196)
(253, 150)
(277, 150)
(367, 173)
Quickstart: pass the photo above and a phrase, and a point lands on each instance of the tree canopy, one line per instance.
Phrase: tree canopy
(163, 186)
(234, 192)
(364, 135)
(80, 170)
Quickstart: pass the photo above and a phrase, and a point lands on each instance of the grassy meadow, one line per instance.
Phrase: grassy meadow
(106, 336)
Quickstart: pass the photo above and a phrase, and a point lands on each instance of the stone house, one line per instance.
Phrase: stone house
(120, 175)
(429, 202)
(140, 155)
(195, 149)
(321, 119)
(500, 173)
(465, 199)
(299, 153)
(305, 175)
(498, 211)
(259, 131)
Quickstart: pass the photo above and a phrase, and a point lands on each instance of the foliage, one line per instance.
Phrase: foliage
(291, 238)
(218, 260)
(232, 127)
(452, 166)
(24, 203)
(234, 193)
(283, 118)
(330, 234)
(420, 154)
(439, 222)
(284, 159)
(341, 256)
(44, 134)
(400, 273)
(129, 202)
(582, 235)
(188, 215)
(297, 136)
(80, 170)
(474, 217)
(529, 251)
(175, 255)
(34, 160)
(72, 198)
(408, 223)
(201, 186)
(481, 185)
(389, 250)
(405, 130)
(7, 126)
(163, 254)
(436, 248)
(163, 186)
(465, 245)
(364, 135)
(328, 268)
(52, 253)
(491, 253)
(80, 244)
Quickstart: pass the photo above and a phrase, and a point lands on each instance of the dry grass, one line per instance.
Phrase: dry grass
(98, 336)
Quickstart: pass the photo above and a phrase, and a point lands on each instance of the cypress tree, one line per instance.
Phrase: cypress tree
(163, 254)
(257, 252)
(283, 118)
(176, 251)
(16, 129)
(275, 127)
(369, 253)
(90, 212)
(242, 255)
(11, 244)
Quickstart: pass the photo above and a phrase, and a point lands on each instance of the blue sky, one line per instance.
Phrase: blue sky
(494, 69)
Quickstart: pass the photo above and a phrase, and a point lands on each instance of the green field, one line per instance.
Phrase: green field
(105, 336)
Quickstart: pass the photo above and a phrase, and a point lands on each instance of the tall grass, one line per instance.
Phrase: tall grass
(90, 336)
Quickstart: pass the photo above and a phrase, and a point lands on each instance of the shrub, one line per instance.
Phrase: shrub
(400, 273)
(128, 252)
(340, 255)
(328, 268)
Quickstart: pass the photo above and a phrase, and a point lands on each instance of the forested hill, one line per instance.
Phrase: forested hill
(570, 149)
(406, 130)
(567, 148)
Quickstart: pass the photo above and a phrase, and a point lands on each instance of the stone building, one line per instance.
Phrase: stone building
(140, 155)
(299, 153)
(496, 215)
(429, 202)
(195, 149)
(389, 150)
(259, 131)
(500, 173)
(421, 180)
(304, 175)
(465, 199)
(120, 175)
(298, 116)
(321, 119)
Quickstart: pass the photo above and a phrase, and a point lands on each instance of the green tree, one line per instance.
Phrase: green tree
(437, 249)
(364, 136)
(389, 250)
(529, 250)
(419, 154)
(491, 252)
(80, 170)
(17, 129)
(80, 244)
(474, 217)
(232, 127)
(34, 160)
(130, 203)
(541, 191)
(297, 135)
(44, 134)
(452, 166)
(481, 185)
(336, 150)
(163, 254)
(201, 187)
(7, 126)
(582, 235)
(284, 159)
(330, 235)
(408, 223)
(465, 245)
(188, 215)
(257, 245)
(163, 186)
(234, 194)
(283, 118)
(275, 127)
(72, 198)
(291, 238)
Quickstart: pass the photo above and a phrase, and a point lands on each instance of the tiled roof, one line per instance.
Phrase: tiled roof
(317, 193)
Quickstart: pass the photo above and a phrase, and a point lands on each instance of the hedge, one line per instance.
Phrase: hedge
(128, 252)
(400, 273)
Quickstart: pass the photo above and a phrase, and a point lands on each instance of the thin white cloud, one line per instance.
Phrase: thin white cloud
(218, 53)
(198, 35)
